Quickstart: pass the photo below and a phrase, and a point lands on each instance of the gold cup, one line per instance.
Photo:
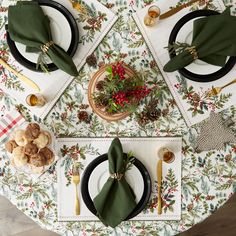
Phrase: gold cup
(166, 154)
(36, 100)
(152, 16)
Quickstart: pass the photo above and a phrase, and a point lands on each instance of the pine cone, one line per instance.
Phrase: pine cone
(165, 112)
(101, 102)
(83, 116)
(91, 21)
(153, 64)
(153, 114)
(63, 116)
(110, 5)
(91, 60)
(196, 97)
(100, 85)
(83, 106)
(172, 102)
(142, 119)
(152, 104)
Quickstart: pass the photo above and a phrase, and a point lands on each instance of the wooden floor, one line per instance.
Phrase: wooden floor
(221, 223)
(15, 223)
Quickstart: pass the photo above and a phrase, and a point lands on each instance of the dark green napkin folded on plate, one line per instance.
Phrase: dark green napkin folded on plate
(28, 25)
(116, 199)
(214, 38)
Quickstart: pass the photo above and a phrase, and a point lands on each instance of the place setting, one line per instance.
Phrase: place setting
(156, 198)
(65, 33)
(205, 81)
(57, 49)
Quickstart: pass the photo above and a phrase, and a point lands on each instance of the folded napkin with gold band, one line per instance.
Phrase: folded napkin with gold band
(214, 38)
(116, 199)
(28, 25)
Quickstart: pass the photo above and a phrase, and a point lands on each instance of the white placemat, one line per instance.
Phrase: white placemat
(52, 85)
(145, 149)
(189, 95)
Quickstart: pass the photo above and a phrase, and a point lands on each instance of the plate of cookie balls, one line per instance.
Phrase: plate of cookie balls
(31, 148)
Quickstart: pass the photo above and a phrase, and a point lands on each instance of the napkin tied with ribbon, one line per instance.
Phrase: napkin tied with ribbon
(214, 38)
(28, 25)
(116, 200)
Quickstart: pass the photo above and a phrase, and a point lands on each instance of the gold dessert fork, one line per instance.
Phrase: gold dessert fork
(76, 181)
(216, 90)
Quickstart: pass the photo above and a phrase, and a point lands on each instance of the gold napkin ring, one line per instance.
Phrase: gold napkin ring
(46, 46)
(192, 50)
(117, 176)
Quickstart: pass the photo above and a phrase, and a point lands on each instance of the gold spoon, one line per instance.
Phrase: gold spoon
(167, 156)
(216, 90)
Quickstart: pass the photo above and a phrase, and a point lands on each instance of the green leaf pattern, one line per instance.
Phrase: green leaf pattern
(74, 154)
(208, 178)
(199, 102)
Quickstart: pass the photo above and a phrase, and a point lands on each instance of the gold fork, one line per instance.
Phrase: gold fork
(76, 181)
(216, 90)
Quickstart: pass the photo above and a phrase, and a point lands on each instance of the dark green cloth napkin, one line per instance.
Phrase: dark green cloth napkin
(116, 199)
(214, 38)
(28, 25)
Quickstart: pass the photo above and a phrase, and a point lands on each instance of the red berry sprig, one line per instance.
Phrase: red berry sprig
(120, 98)
(139, 92)
(118, 70)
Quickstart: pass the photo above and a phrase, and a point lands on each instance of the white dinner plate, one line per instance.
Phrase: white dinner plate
(100, 175)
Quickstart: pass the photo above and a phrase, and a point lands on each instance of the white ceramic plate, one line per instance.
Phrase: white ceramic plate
(198, 66)
(100, 175)
(61, 33)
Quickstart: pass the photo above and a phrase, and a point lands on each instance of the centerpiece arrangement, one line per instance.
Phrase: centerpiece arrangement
(115, 91)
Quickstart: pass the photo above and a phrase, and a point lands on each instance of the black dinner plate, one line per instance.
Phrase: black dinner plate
(71, 50)
(186, 73)
(146, 181)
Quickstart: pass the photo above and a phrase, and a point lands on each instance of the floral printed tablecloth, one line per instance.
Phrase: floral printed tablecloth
(92, 29)
(208, 178)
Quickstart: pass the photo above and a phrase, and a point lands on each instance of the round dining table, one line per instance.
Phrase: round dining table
(208, 177)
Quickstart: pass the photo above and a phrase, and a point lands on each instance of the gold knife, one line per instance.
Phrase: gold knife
(177, 9)
(26, 80)
(159, 179)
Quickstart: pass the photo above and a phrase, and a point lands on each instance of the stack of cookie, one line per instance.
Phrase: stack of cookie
(30, 147)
